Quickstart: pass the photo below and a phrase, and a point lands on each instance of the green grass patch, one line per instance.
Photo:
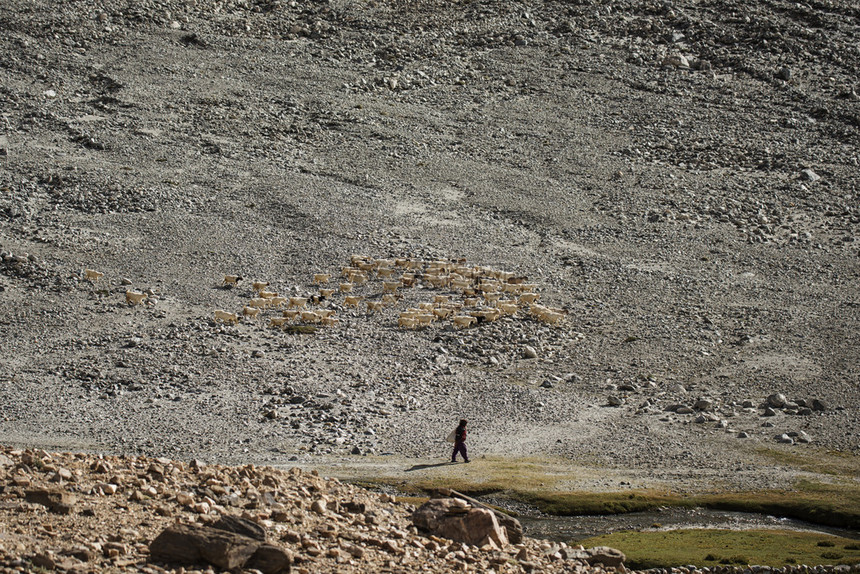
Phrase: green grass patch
(666, 549)
(575, 503)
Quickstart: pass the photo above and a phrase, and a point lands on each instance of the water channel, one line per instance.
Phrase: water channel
(575, 528)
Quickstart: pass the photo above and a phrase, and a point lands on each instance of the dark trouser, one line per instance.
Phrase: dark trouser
(461, 448)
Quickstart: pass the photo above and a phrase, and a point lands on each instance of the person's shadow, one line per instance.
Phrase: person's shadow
(423, 466)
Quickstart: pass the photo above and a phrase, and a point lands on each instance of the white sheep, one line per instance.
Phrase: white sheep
(437, 281)
(310, 317)
(463, 321)
(290, 313)
(329, 321)
(258, 303)
(92, 275)
(226, 317)
(278, 321)
(442, 312)
(251, 312)
(508, 308)
(390, 286)
(529, 297)
(276, 302)
(492, 298)
(352, 300)
(320, 278)
(407, 322)
(326, 293)
(389, 299)
(298, 302)
(259, 285)
(267, 294)
(384, 272)
(134, 297)
(345, 287)
(373, 306)
(231, 280)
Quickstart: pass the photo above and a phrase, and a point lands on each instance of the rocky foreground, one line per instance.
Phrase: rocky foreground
(87, 513)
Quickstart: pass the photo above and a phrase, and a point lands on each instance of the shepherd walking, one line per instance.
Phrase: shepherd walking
(460, 442)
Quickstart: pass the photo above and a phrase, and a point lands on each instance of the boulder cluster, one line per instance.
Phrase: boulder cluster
(89, 513)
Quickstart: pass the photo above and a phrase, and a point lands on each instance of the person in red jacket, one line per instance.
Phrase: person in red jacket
(460, 442)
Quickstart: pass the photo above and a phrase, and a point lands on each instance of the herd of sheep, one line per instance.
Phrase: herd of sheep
(465, 295)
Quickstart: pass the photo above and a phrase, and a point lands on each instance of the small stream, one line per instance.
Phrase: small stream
(575, 528)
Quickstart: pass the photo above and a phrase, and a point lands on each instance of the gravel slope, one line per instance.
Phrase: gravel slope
(681, 178)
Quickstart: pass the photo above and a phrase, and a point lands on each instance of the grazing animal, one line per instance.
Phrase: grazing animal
(389, 299)
(291, 313)
(442, 312)
(91, 275)
(226, 317)
(407, 322)
(345, 287)
(231, 280)
(508, 308)
(259, 285)
(329, 321)
(320, 278)
(487, 314)
(298, 302)
(492, 298)
(352, 300)
(134, 297)
(358, 277)
(407, 279)
(251, 312)
(267, 294)
(310, 317)
(390, 286)
(276, 302)
(463, 321)
(385, 272)
(326, 293)
(529, 297)
(258, 303)
(373, 306)
(278, 321)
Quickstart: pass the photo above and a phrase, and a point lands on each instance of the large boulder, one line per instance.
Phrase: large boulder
(605, 555)
(194, 544)
(457, 520)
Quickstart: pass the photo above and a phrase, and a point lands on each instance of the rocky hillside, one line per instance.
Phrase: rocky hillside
(645, 212)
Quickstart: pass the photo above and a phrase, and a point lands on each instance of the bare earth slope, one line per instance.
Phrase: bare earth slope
(681, 178)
